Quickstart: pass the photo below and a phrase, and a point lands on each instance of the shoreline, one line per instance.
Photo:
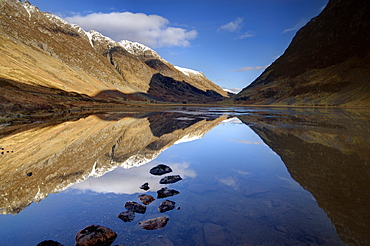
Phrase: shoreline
(139, 108)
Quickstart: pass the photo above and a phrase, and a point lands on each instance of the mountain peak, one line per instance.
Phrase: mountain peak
(95, 36)
(139, 49)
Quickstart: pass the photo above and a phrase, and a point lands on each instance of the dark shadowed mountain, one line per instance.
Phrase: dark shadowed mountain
(327, 62)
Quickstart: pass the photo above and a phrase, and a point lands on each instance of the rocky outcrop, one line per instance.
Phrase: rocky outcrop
(326, 64)
(46, 61)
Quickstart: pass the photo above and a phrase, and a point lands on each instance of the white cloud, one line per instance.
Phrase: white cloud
(152, 30)
(229, 181)
(247, 34)
(128, 181)
(232, 26)
(297, 26)
(249, 68)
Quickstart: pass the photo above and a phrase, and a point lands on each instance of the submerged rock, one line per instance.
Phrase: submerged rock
(170, 179)
(160, 169)
(94, 235)
(49, 243)
(166, 205)
(127, 216)
(145, 186)
(135, 207)
(146, 199)
(153, 224)
(165, 192)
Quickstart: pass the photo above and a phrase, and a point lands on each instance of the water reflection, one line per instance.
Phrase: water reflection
(235, 189)
(59, 155)
(129, 181)
(328, 153)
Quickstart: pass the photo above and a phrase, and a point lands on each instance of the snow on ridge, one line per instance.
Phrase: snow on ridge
(188, 71)
(132, 47)
(234, 91)
(29, 8)
(136, 48)
(55, 18)
(188, 138)
(95, 35)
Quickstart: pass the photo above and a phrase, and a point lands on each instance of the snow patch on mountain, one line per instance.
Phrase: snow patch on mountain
(29, 8)
(95, 36)
(233, 91)
(188, 71)
(134, 47)
(139, 49)
(188, 138)
(55, 19)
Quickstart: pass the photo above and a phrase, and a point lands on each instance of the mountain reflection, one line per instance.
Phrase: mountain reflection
(48, 158)
(328, 153)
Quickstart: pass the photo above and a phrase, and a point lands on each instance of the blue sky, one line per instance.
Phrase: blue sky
(230, 41)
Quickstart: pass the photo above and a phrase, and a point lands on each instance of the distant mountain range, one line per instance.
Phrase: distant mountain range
(47, 63)
(326, 64)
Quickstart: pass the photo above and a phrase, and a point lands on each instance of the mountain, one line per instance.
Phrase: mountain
(327, 63)
(47, 63)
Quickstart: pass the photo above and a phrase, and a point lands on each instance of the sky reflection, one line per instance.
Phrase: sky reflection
(128, 181)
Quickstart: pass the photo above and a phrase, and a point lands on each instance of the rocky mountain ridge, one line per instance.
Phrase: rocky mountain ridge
(326, 64)
(46, 55)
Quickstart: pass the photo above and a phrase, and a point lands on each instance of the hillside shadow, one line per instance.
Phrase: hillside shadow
(170, 90)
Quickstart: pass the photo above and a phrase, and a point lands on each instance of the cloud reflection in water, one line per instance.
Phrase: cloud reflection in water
(128, 181)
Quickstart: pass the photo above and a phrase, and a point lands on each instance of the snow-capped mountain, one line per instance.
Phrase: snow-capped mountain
(45, 54)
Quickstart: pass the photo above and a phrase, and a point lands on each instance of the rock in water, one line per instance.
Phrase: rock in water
(49, 243)
(95, 235)
(153, 224)
(165, 192)
(160, 169)
(135, 207)
(145, 186)
(127, 216)
(170, 179)
(166, 205)
(146, 199)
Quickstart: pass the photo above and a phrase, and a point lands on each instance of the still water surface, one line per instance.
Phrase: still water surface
(250, 177)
